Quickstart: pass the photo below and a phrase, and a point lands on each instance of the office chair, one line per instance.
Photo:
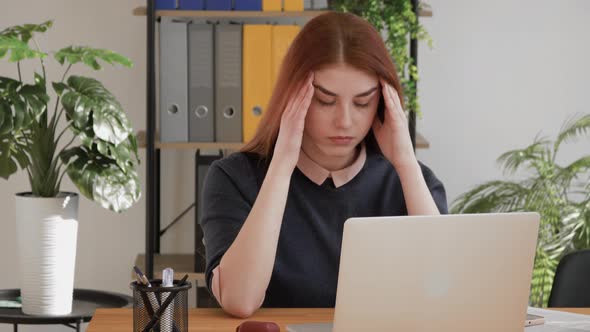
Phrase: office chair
(571, 285)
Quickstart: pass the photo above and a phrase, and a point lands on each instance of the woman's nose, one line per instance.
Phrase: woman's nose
(343, 117)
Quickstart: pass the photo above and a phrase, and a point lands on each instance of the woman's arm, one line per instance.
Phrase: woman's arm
(393, 137)
(417, 195)
(246, 267)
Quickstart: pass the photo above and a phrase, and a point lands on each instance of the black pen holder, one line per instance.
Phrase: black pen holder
(160, 309)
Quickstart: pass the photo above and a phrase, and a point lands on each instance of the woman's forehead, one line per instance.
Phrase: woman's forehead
(344, 79)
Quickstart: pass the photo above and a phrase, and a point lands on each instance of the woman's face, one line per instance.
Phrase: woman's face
(341, 112)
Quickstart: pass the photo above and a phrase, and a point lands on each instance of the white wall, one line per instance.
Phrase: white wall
(500, 72)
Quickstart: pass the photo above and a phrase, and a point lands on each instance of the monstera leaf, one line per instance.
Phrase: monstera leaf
(25, 32)
(19, 50)
(89, 56)
(85, 98)
(101, 179)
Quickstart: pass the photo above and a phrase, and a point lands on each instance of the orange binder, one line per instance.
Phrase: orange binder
(282, 37)
(256, 79)
(272, 5)
(293, 5)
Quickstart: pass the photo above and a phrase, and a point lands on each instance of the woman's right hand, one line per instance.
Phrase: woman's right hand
(288, 145)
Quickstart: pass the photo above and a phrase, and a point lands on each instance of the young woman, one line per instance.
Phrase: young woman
(333, 144)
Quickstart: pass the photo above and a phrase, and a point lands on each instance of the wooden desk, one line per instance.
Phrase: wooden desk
(210, 320)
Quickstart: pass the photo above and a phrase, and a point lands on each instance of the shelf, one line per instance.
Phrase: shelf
(421, 143)
(181, 263)
(425, 11)
(142, 11)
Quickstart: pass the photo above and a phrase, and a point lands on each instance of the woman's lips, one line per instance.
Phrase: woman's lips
(341, 140)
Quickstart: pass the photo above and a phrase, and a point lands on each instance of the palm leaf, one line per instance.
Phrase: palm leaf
(489, 197)
(572, 129)
(512, 160)
(565, 175)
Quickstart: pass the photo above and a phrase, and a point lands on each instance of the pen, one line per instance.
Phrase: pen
(142, 279)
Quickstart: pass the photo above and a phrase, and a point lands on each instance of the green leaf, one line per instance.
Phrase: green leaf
(7, 167)
(68, 154)
(25, 32)
(83, 174)
(111, 124)
(7, 121)
(102, 180)
(21, 158)
(116, 190)
(512, 160)
(572, 129)
(86, 96)
(90, 56)
(19, 50)
(36, 99)
(58, 87)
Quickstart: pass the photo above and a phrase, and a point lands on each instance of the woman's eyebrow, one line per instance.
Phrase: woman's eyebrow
(330, 93)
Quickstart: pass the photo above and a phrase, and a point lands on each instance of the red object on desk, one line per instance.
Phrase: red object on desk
(254, 326)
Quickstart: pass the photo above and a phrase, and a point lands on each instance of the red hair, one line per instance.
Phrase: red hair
(327, 39)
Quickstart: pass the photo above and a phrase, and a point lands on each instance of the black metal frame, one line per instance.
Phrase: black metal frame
(152, 190)
(414, 56)
(151, 158)
(75, 327)
(85, 301)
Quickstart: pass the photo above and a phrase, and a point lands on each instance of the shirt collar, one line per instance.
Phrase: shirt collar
(318, 175)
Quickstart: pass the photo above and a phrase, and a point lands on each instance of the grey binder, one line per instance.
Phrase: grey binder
(228, 82)
(173, 81)
(201, 112)
(307, 4)
(320, 4)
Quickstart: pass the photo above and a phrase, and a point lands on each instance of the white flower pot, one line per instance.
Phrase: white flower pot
(46, 236)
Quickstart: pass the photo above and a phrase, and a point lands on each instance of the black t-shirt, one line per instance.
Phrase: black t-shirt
(306, 266)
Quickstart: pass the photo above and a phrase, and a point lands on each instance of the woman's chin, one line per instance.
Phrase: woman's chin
(338, 151)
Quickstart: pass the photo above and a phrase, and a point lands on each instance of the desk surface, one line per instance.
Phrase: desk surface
(209, 320)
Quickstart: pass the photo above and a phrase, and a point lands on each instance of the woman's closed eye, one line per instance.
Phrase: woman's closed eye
(333, 102)
(325, 102)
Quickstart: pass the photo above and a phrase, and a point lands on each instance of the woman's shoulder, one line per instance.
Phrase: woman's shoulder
(379, 165)
(240, 165)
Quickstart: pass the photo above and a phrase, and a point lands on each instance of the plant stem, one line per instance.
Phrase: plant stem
(44, 115)
(59, 115)
(54, 118)
(68, 145)
(62, 174)
(64, 76)
(41, 59)
(63, 131)
(20, 78)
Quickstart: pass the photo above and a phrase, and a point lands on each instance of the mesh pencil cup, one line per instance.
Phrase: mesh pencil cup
(160, 309)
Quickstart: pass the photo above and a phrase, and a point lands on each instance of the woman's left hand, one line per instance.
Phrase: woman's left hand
(393, 135)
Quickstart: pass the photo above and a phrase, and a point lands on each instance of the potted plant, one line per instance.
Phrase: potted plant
(561, 194)
(100, 158)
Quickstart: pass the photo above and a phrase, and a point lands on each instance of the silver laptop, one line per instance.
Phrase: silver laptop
(445, 273)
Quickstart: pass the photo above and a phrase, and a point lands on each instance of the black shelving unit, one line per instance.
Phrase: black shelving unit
(153, 158)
